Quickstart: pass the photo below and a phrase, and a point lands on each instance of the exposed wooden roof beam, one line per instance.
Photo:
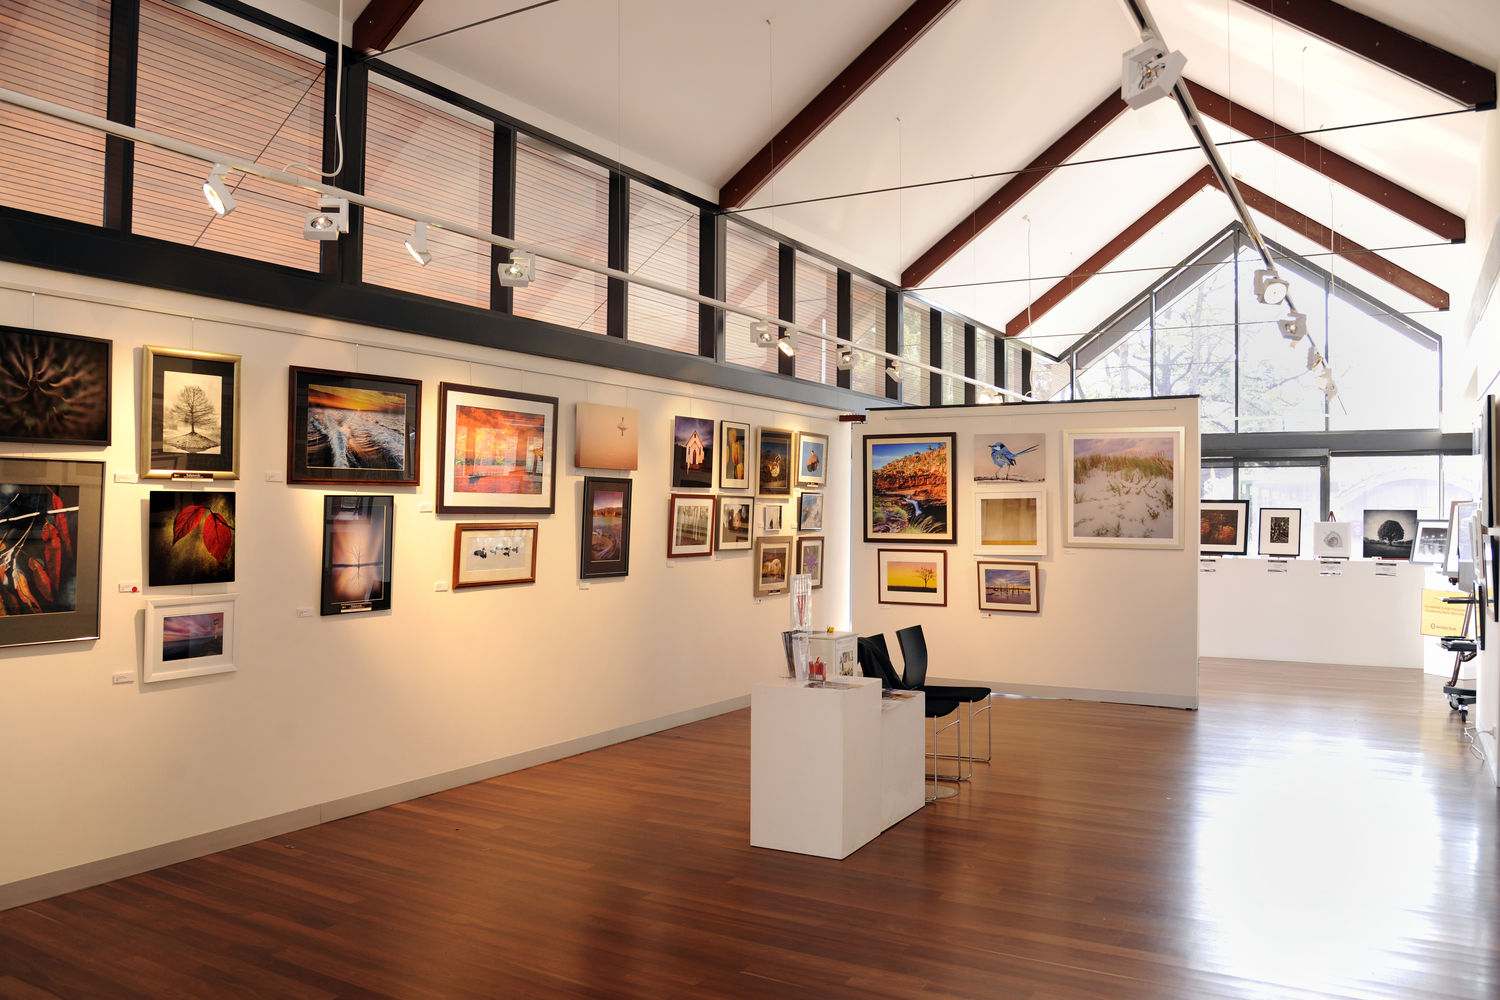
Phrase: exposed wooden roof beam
(1439, 70)
(376, 27)
(834, 98)
(1013, 190)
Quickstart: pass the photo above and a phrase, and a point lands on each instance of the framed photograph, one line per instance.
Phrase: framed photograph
(909, 487)
(189, 637)
(1009, 586)
(343, 427)
(692, 453)
(810, 558)
(1460, 514)
(810, 512)
(54, 388)
(604, 539)
(51, 514)
(1431, 547)
(357, 536)
(812, 459)
(769, 518)
(1334, 539)
(190, 415)
(1484, 450)
(1123, 486)
(492, 555)
(1389, 533)
(734, 449)
(773, 566)
(1223, 527)
(497, 453)
(690, 525)
(912, 576)
(606, 437)
(773, 467)
(1010, 458)
(1280, 531)
(1011, 519)
(736, 522)
(189, 538)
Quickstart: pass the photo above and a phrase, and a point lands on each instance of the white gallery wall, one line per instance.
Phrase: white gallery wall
(1115, 624)
(326, 716)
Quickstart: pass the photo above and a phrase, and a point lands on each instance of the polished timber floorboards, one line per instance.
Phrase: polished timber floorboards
(1310, 832)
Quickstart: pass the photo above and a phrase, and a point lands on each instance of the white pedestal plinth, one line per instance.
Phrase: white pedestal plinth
(902, 757)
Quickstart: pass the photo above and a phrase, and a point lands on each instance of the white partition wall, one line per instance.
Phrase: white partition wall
(1115, 624)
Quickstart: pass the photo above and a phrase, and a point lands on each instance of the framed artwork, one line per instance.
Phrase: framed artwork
(1122, 487)
(604, 539)
(692, 453)
(912, 576)
(54, 387)
(606, 437)
(736, 522)
(357, 536)
(1460, 516)
(909, 487)
(1011, 519)
(190, 414)
(497, 452)
(343, 427)
(810, 558)
(773, 467)
(1333, 539)
(769, 518)
(773, 566)
(812, 459)
(1010, 458)
(1431, 547)
(189, 538)
(51, 514)
(810, 512)
(492, 555)
(734, 448)
(189, 637)
(690, 525)
(1389, 533)
(1484, 450)
(1009, 586)
(1280, 531)
(1223, 527)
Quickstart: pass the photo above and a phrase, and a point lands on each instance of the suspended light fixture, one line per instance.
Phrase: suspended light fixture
(844, 358)
(1314, 359)
(328, 221)
(1293, 327)
(416, 244)
(1148, 72)
(1270, 287)
(763, 334)
(786, 343)
(217, 192)
(893, 370)
(516, 272)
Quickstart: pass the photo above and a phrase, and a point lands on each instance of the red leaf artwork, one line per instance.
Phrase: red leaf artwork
(61, 520)
(52, 551)
(217, 535)
(40, 578)
(187, 519)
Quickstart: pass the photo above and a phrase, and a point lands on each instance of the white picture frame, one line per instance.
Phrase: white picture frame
(190, 637)
(1333, 539)
(1122, 488)
(1010, 519)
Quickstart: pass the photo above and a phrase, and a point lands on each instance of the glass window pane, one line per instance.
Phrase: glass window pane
(664, 246)
(1386, 377)
(1277, 392)
(953, 360)
(1013, 352)
(1194, 350)
(867, 324)
(1460, 479)
(817, 306)
(916, 323)
(562, 201)
(1124, 372)
(1216, 482)
(1380, 482)
(751, 271)
(984, 356)
(1297, 486)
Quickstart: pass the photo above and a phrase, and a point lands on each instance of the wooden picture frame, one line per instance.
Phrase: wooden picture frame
(693, 453)
(1123, 487)
(1223, 527)
(494, 554)
(1280, 531)
(910, 492)
(1010, 587)
(912, 576)
(604, 535)
(773, 462)
(810, 512)
(810, 558)
(358, 536)
(691, 523)
(772, 566)
(190, 637)
(1011, 519)
(734, 451)
(812, 459)
(68, 498)
(190, 414)
(497, 451)
(35, 365)
(345, 427)
(736, 523)
(1432, 543)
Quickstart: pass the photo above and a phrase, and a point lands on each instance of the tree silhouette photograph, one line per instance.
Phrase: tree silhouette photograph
(1389, 533)
(190, 418)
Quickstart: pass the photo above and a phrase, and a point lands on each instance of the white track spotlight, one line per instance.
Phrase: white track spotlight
(843, 358)
(330, 219)
(217, 192)
(416, 244)
(786, 343)
(1270, 287)
(763, 334)
(894, 371)
(516, 272)
(1148, 71)
(1314, 359)
(1293, 327)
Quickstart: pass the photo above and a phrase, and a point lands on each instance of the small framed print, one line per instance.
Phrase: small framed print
(190, 415)
(54, 388)
(734, 450)
(773, 464)
(1011, 519)
(50, 535)
(736, 522)
(810, 558)
(1009, 586)
(189, 637)
(1223, 527)
(692, 453)
(343, 427)
(497, 451)
(812, 459)
(189, 537)
(357, 536)
(771, 519)
(1432, 543)
(606, 437)
(1334, 539)
(912, 576)
(773, 566)
(810, 512)
(1280, 531)
(491, 555)
(604, 537)
(690, 525)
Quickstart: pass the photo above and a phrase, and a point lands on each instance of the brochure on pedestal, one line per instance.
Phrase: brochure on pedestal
(801, 588)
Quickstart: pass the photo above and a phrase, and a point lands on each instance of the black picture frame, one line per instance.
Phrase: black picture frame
(462, 463)
(167, 377)
(377, 417)
(774, 461)
(33, 407)
(930, 522)
(358, 535)
(1223, 527)
(69, 497)
(604, 547)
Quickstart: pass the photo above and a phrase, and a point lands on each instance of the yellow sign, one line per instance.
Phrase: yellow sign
(1439, 618)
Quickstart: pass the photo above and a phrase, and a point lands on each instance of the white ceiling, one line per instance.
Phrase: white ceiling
(688, 90)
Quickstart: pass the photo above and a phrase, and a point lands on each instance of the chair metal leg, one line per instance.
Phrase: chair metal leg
(935, 790)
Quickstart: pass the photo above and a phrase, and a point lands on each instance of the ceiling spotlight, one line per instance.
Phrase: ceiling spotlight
(1293, 327)
(1148, 71)
(516, 272)
(329, 220)
(217, 192)
(844, 358)
(894, 371)
(1314, 359)
(1329, 389)
(786, 342)
(1270, 287)
(416, 244)
(764, 334)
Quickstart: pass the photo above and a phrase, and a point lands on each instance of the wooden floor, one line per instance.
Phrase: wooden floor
(1310, 832)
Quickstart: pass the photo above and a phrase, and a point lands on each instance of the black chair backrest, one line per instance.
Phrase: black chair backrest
(874, 663)
(914, 653)
(879, 640)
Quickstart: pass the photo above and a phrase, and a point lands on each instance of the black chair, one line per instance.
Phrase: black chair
(1463, 648)
(914, 676)
(874, 662)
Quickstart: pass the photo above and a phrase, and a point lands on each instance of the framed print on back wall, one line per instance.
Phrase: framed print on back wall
(53, 514)
(497, 451)
(909, 487)
(344, 427)
(54, 387)
(190, 414)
